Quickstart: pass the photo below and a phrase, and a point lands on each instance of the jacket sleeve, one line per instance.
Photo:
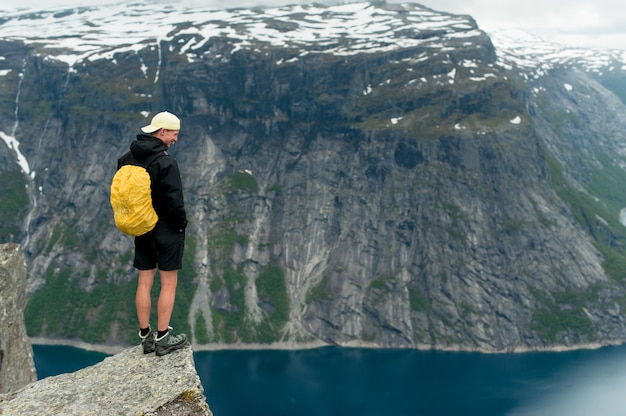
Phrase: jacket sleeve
(170, 205)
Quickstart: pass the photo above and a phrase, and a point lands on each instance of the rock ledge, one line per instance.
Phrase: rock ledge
(128, 383)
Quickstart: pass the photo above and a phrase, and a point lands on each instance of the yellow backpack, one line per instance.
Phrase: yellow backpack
(131, 198)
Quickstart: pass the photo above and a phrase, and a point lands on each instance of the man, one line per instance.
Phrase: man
(163, 246)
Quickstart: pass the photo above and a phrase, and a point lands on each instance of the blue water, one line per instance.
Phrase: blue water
(363, 382)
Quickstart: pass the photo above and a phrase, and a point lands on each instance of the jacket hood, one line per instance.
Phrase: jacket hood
(146, 145)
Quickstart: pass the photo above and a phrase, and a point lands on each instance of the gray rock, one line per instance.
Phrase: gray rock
(128, 383)
(17, 367)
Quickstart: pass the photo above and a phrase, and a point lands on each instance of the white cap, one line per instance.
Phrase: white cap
(163, 120)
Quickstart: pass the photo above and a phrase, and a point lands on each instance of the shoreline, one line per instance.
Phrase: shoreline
(292, 346)
(115, 349)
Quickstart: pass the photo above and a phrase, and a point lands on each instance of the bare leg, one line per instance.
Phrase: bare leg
(169, 279)
(142, 297)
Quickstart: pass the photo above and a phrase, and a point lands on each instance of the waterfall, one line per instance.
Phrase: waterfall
(158, 69)
(14, 144)
(10, 139)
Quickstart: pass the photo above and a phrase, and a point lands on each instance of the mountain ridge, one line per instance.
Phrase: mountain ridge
(301, 24)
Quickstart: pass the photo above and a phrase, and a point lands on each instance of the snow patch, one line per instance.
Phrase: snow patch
(12, 143)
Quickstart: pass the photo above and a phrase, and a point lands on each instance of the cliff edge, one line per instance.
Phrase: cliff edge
(17, 367)
(128, 383)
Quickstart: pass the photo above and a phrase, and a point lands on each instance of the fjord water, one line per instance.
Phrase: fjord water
(367, 382)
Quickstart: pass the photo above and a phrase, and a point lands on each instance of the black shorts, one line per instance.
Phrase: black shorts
(162, 247)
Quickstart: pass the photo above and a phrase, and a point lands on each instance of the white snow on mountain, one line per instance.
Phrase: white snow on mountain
(96, 32)
(529, 51)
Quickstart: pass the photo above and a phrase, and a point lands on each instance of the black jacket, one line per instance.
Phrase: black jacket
(167, 187)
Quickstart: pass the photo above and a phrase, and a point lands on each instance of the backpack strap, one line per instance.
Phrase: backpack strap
(148, 161)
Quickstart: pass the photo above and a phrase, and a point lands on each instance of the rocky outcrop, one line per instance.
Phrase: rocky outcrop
(16, 353)
(128, 383)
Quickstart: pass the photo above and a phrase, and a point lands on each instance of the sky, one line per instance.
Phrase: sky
(578, 23)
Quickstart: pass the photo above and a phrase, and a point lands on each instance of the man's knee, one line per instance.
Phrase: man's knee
(169, 278)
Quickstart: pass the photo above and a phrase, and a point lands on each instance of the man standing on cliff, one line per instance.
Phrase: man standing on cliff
(163, 246)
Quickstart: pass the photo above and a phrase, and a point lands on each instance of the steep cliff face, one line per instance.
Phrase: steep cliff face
(415, 191)
(16, 354)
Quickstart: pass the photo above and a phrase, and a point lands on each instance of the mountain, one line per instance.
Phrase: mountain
(361, 174)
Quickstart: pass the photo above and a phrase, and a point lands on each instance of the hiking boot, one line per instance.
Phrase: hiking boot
(147, 342)
(169, 342)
